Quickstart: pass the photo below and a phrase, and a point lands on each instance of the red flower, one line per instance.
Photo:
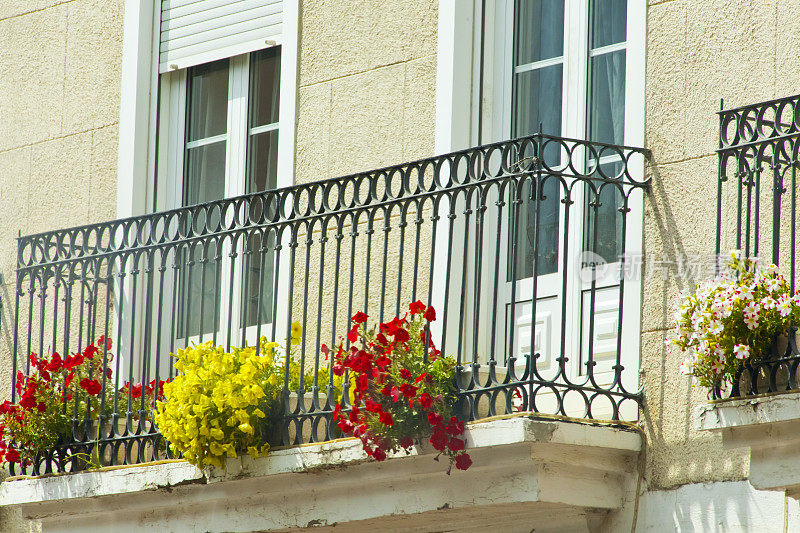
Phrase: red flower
(455, 427)
(395, 394)
(456, 444)
(56, 363)
(439, 440)
(92, 386)
(12, 455)
(336, 411)
(401, 335)
(338, 369)
(379, 454)
(346, 426)
(136, 391)
(405, 373)
(41, 407)
(435, 419)
(90, 351)
(73, 361)
(463, 461)
(430, 314)
(108, 341)
(108, 373)
(406, 442)
(386, 419)
(352, 335)
(360, 318)
(420, 377)
(27, 402)
(408, 390)
(381, 339)
(425, 400)
(416, 307)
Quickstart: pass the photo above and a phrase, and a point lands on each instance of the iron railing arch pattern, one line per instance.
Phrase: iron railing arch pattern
(431, 229)
(757, 189)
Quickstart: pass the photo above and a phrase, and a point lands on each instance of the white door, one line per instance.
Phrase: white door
(563, 70)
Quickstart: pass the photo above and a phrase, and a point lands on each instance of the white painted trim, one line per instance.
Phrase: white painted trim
(137, 103)
(608, 49)
(265, 128)
(207, 140)
(535, 65)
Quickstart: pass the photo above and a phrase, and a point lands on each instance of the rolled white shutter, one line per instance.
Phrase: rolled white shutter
(200, 31)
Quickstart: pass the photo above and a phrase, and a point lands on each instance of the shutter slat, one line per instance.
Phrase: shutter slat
(199, 31)
(222, 15)
(204, 8)
(174, 55)
(190, 35)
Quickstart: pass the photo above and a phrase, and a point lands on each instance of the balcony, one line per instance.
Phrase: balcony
(757, 213)
(526, 248)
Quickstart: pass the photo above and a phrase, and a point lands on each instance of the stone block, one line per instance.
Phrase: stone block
(103, 174)
(313, 132)
(341, 37)
(60, 176)
(367, 111)
(32, 52)
(93, 66)
(419, 110)
(666, 81)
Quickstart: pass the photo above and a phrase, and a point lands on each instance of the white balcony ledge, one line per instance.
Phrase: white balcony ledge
(553, 475)
(770, 426)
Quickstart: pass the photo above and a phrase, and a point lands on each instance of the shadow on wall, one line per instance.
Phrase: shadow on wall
(679, 229)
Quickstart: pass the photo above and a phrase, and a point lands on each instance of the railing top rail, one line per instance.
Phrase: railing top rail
(748, 126)
(471, 167)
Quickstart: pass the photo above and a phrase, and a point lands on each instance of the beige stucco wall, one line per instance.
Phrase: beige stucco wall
(366, 85)
(59, 108)
(697, 53)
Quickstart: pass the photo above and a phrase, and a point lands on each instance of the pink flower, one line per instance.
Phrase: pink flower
(741, 351)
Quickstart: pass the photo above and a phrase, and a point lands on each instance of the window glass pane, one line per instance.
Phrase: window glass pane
(262, 170)
(537, 99)
(606, 116)
(607, 98)
(608, 24)
(537, 95)
(204, 180)
(605, 217)
(207, 100)
(263, 161)
(265, 77)
(540, 30)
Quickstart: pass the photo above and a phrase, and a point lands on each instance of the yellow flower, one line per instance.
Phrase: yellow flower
(297, 333)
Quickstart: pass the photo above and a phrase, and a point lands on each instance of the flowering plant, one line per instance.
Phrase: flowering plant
(399, 395)
(732, 319)
(56, 391)
(223, 403)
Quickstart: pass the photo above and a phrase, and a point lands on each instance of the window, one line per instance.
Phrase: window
(563, 68)
(224, 116)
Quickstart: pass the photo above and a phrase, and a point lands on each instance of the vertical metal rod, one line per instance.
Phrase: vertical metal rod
(262, 266)
(387, 227)
(403, 212)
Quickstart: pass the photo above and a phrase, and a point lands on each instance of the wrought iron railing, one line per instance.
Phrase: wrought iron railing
(759, 147)
(526, 248)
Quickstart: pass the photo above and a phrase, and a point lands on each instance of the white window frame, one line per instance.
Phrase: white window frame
(143, 184)
(457, 107)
